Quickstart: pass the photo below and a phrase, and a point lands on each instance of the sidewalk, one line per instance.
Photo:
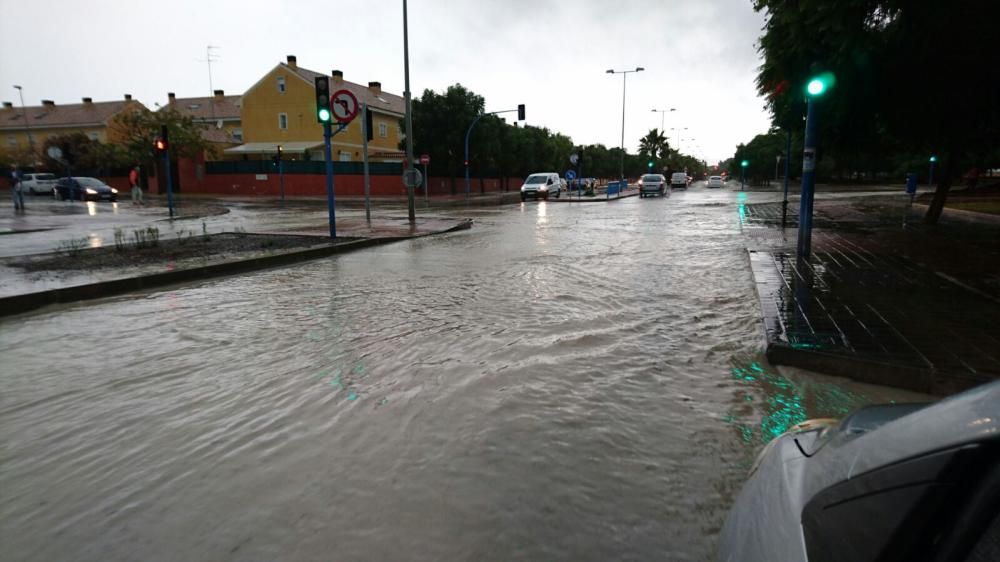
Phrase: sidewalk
(914, 308)
(31, 281)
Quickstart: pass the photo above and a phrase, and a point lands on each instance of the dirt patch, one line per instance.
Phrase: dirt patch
(213, 247)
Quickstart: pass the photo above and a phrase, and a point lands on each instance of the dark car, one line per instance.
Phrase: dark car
(84, 189)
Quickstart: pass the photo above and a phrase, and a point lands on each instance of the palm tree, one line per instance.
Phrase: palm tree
(654, 144)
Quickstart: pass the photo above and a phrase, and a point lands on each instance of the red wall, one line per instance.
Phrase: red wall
(313, 185)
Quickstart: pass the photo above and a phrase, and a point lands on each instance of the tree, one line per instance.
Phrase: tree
(84, 155)
(654, 145)
(138, 128)
(915, 76)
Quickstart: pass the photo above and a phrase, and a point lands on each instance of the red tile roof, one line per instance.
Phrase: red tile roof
(363, 93)
(71, 115)
(208, 108)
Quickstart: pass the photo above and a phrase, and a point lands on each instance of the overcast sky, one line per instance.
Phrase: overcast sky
(699, 56)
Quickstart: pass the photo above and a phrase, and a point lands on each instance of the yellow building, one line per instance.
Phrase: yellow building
(280, 109)
(22, 128)
(219, 115)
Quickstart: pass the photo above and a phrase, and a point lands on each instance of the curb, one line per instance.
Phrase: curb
(18, 304)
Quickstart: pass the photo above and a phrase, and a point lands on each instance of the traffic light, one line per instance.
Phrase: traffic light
(160, 145)
(279, 152)
(466, 163)
(520, 112)
(323, 114)
(369, 125)
(745, 163)
(650, 164)
(933, 159)
(818, 85)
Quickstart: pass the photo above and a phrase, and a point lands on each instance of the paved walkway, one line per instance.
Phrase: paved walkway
(858, 308)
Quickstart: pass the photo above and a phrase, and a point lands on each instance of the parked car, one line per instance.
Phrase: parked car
(652, 183)
(541, 186)
(38, 183)
(715, 181)
(889, 482)
(90, 189)
(679, 180)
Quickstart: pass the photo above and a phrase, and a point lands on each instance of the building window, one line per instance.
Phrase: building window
(12, 141)
(93, 136)
(399, 131)
(383, 130)
(281, 84)
(238, 134)
(283, 121)
(345, 156)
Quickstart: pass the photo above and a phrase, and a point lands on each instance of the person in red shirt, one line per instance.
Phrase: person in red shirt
(133, 180)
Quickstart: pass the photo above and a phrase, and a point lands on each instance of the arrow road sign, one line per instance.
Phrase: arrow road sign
(570, 175)
(344, 106)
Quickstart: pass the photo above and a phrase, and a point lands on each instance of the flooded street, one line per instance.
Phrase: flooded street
(562, 382)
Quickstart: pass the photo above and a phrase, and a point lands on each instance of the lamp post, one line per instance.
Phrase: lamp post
(677, 131)
(814, 89)
(411, 205)
(624, 74)
(24, 114)
(663, 113)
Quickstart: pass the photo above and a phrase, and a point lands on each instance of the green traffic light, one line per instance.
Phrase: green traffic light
(324, 115)
(818, 85)
(650, 164)
(933, 158)
(745, 163)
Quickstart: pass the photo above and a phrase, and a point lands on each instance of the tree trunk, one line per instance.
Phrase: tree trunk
(941, 192)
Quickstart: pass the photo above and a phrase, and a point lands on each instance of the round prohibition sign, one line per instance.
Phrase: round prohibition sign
(344, 106)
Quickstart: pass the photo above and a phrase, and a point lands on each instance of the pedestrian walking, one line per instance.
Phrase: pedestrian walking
(133, 180)
(17, 188)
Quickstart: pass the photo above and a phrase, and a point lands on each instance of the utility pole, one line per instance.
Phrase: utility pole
(27, 125)
(624, 74)
(410, 204)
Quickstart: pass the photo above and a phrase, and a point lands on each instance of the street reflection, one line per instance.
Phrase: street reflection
(92, 208)
(542, 213)
(94, 241)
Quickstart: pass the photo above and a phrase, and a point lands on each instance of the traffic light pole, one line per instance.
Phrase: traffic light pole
(281, 177)
(330, 205)
(808, 182)
(170, 190)
(364, 159)
(784, 201)
(468, 133)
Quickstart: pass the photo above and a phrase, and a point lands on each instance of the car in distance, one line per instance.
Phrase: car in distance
(84, 189)
(650, 184)
(541, 186)
(38, 184)
(679, 180)
(715, 181)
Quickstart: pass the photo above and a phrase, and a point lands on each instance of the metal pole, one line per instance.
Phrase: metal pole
(624, 74)
(468, 133)
(777, 161)
(281, 177)
(930, 177)
(788, 157)
(27, 125)
(170, 190)
(330, 204)
(426, 183)
(364, 158)
(808, 183)
(411, 207)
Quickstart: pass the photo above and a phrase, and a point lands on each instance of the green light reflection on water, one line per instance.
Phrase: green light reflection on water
(783, 403)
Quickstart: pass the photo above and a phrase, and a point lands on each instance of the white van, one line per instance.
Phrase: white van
(542, 185)
(38, 184)
(678, 180)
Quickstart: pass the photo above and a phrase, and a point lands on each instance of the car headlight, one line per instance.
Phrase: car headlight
(113, 190)
(543, 188)
(91, 191)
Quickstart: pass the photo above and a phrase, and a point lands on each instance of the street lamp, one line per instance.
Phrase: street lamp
(27, 125)
(663, 113)
(678, 136)
(624, 73)
(816, 87)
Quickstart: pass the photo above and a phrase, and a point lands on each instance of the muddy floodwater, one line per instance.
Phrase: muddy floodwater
(561, 382)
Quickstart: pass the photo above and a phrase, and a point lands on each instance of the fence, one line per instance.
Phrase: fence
(301, 167)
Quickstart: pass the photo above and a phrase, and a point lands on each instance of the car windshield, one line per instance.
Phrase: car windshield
(89, 182)
(536, 179)
(715, 178)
